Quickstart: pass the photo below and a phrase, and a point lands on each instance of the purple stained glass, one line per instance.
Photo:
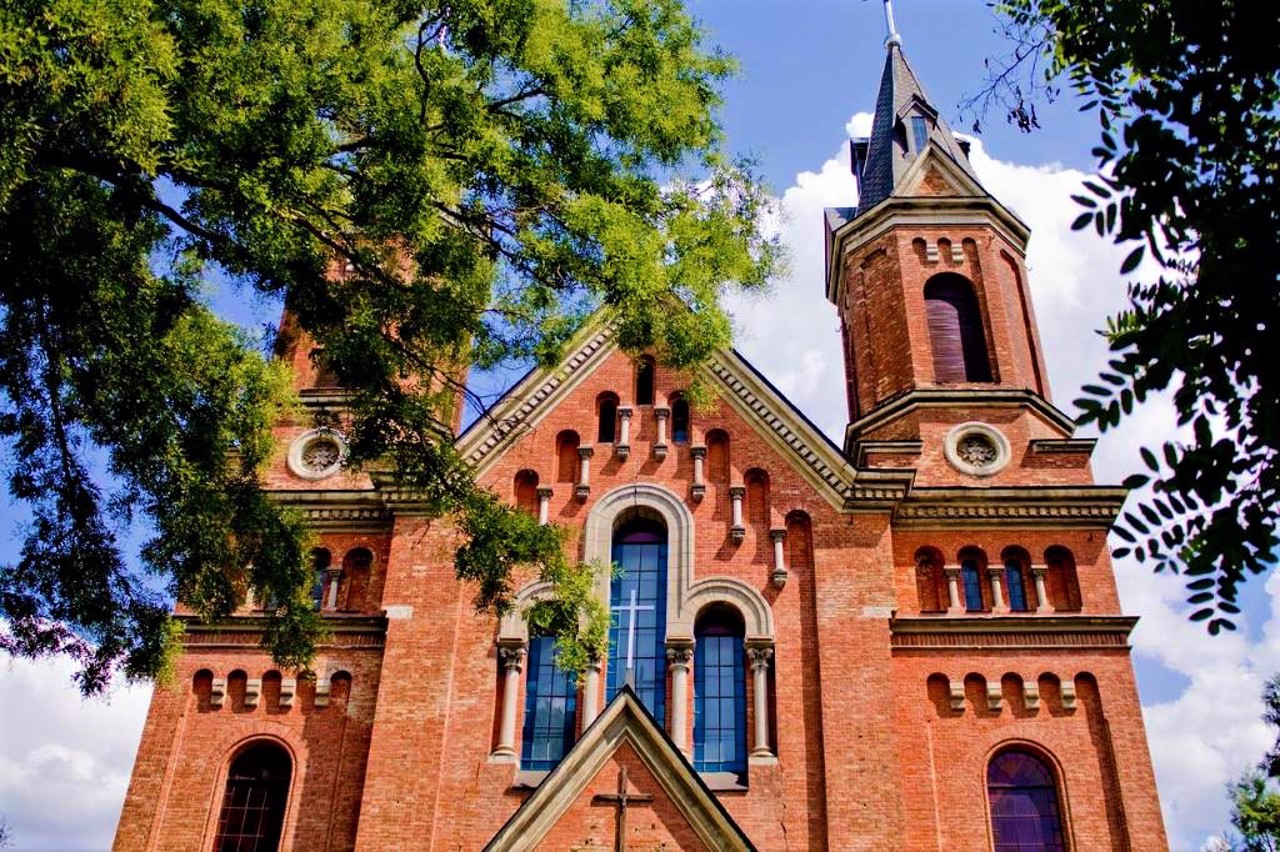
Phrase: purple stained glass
(1024, 804)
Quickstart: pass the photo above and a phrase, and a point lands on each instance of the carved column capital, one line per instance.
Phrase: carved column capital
(1039, 570)
(952, 572)
(511, 656)
(662, 413)
(698, 452)
(737, 492)
(679, 656)
(586, 452)
(545, 492)
(759, 657)
(778, 535)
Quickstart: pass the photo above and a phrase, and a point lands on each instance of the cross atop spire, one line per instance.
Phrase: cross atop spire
(893, 38)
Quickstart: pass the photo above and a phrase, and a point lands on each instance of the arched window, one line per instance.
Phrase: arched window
(680, 420)
(757, 483)
(1025, 816)
(638, 598)
(257, 791)
(1063, 582)
(719, 692)
(928, 579)
(1015, 578)
(567, 456)
(644, 380)
(526, 491)
(550, 708)
(607, 414)
(320, 561)
(357, 565)
(718, 456)
(972, 563)
(955, 330)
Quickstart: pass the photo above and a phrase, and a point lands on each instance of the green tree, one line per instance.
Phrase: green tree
(481, 174)
(1186, 94)
(1255, 814)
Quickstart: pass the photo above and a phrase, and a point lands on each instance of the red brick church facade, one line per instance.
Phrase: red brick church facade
(912, 641)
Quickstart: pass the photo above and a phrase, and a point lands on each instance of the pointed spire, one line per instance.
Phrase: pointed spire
(906, 124)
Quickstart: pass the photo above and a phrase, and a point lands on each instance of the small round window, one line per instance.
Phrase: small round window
(977, 449)
(316, 454)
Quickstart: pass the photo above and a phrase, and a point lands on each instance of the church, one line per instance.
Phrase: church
(911, 640)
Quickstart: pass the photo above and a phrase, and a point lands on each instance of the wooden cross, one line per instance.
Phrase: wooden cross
(621, 799)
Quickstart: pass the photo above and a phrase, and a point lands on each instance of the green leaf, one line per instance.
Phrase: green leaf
(1131, 262)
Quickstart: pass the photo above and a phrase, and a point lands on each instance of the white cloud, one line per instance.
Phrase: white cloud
(64, 764)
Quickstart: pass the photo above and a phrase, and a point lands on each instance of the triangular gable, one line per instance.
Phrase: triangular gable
(743, 387)
(939, 161)
(624, 721)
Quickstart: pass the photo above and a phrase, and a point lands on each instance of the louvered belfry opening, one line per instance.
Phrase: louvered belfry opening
(955, 330)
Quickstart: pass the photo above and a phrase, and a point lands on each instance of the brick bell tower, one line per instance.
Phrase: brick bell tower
(928, 274)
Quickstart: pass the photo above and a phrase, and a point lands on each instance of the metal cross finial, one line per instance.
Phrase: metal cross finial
(893, 38)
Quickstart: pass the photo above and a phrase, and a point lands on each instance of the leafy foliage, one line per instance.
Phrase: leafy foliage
(1255, 805)
(427, 186)
(1186, 94)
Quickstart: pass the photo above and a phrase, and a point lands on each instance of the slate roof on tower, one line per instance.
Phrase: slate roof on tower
(881, 160)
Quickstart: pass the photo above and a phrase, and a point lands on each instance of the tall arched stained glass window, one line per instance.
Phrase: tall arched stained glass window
(253, 805)
(638, 599)
(550, 708)
(971, 574)
(719, 693)
(1025, 816)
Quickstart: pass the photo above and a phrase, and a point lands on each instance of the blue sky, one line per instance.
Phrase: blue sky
(809, 68)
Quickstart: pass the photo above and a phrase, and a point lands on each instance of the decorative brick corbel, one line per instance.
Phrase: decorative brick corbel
(1031, 696)
(995, 696)
(1069, 697)
(252, 691)
(957, 696)
(217, 691)
(288, 688)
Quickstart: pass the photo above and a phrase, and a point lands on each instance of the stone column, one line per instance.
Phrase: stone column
(335, 580)
(583, 489)
(623, 448)
(660, 446)
(996, 576)
(591, 694)
(544, 504)
(779, 576)
(759, 657)
(511, 656)
(737, 531)
(679, 656)
(953, 588)
(1039, 573)
(699, 482)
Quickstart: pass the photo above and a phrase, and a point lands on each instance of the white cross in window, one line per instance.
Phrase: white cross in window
(631, 609)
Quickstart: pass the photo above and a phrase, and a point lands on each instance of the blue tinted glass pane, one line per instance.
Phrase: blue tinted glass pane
(1017, 588)
(919, 133)
(550, 708)
(720, 704)
(972, 585)
(640, 621)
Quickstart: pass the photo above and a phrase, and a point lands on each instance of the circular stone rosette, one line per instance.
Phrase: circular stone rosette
(977, 449)
(317, 454)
